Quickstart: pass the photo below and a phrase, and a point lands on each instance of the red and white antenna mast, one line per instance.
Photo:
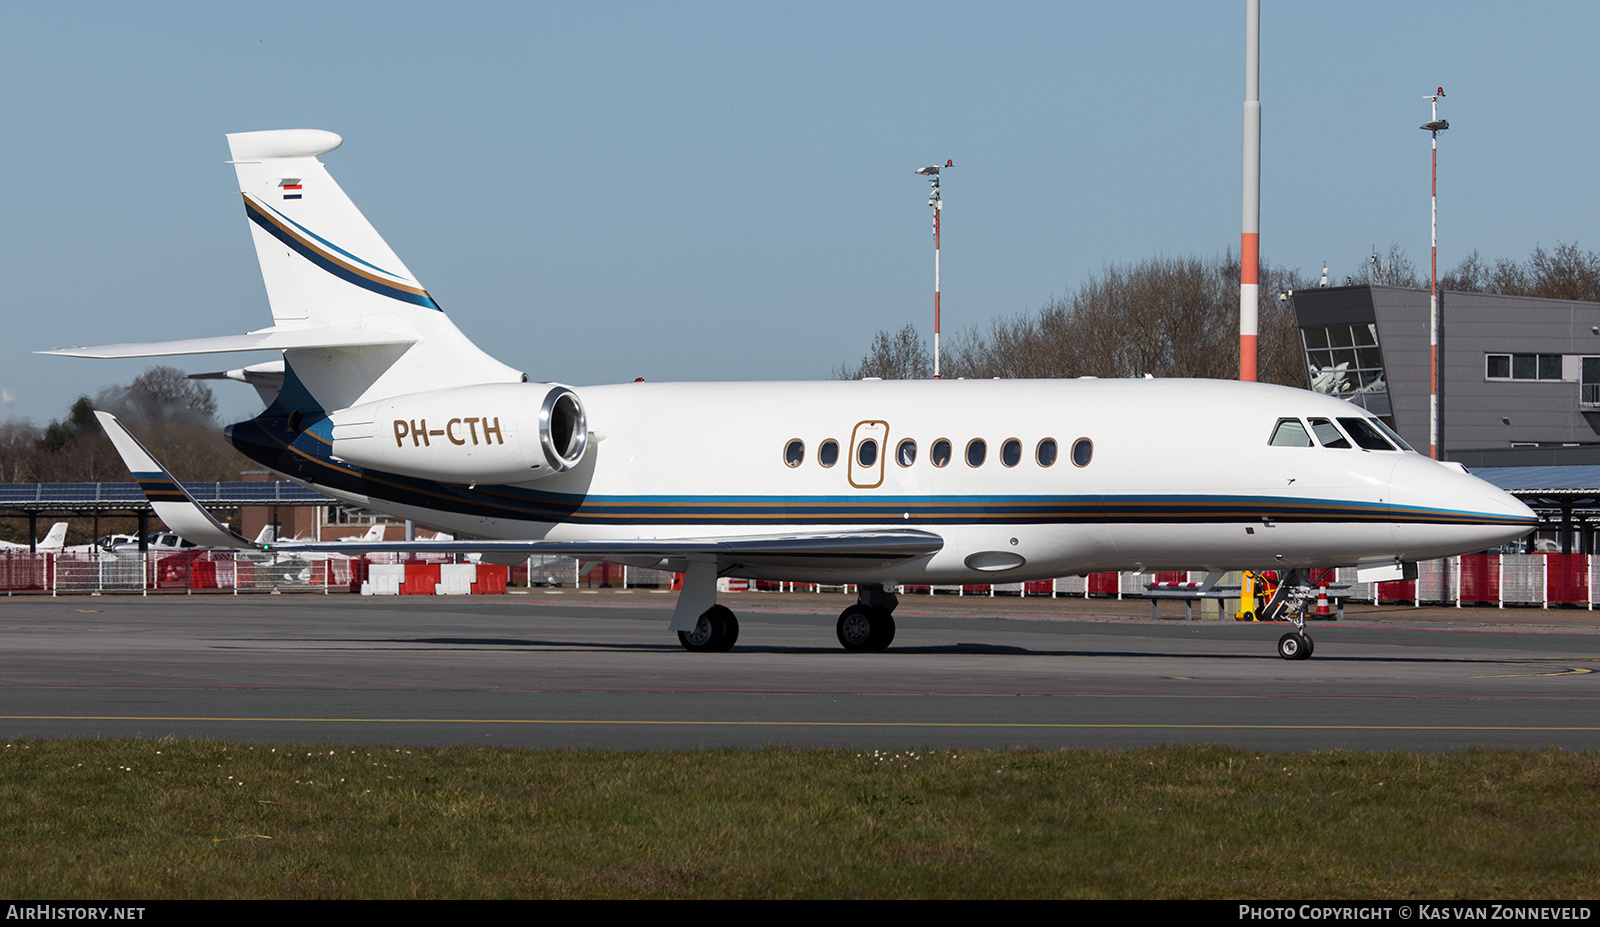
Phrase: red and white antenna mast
(1434, 126)
(937, 202)
(1250, 232)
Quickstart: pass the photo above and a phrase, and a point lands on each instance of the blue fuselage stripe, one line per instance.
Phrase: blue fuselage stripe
(335, 267)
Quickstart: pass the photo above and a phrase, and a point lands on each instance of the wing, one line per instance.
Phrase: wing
(171, 502)
(833, 550)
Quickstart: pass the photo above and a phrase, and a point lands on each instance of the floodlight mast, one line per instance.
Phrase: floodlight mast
(937, 202)
(1433, 127)
(1250, 231)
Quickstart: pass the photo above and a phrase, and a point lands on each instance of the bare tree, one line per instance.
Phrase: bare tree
(173, 415)
(1167, 317)
(1391, 268)
(1564, 272)
(900, 356)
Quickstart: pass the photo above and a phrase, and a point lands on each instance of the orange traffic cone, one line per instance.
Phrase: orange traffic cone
(1322, 602)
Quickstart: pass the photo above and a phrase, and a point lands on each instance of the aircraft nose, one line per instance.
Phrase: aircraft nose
(1441, 511)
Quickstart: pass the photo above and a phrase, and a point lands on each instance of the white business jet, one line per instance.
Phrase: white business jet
(382, 403)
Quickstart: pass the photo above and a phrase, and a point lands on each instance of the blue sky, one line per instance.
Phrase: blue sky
(597, 192)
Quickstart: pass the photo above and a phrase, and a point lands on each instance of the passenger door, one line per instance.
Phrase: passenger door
(868, 447)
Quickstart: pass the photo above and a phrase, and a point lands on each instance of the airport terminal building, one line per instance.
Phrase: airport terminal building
(1519, 386)
(1519, 377)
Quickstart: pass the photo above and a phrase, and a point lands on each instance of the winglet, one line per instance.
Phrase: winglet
(171, 502)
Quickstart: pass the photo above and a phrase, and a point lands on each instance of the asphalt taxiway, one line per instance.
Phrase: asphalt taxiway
(578, 670)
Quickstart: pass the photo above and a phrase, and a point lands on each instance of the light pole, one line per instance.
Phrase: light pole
(1433, 127)
(934, 200)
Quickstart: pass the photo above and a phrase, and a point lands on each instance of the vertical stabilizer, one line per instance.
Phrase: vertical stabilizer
(325, 266)
(56, 539)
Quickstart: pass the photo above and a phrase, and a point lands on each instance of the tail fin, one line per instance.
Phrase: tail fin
(326, 267)
(56, 539)
(353, 323)
(321, 259)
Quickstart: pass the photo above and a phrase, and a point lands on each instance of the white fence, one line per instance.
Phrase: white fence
(1495, 579)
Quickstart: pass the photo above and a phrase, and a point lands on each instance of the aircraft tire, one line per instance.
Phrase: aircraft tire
(730, 630)
(1294, 646)
(864, 629)
(715, 632)
(883, 623)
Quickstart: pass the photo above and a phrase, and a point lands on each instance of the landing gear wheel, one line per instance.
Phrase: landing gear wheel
(1294, 646)
(865, 629)
(715, 632)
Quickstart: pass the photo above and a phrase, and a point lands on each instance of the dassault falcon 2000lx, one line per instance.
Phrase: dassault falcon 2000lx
(381, 402)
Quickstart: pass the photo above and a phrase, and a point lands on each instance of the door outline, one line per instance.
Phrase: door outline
(870, 477)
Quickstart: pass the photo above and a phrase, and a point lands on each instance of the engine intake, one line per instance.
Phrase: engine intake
(491, 433)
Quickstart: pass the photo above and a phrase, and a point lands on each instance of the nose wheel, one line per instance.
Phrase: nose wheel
(1295, 646)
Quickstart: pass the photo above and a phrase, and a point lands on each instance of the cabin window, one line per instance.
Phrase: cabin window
(828, 453)
(905, 454)
(1290, 433)
(1082, 452)
(977, 452)
(794, 453)
(867, 453)
(1391, 434)
(1327, 435)
(1365, 435)
(1045, 453)
(1011, 452)
(940, 454)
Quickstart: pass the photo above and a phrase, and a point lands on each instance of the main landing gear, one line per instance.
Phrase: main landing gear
(868, 625)
(715, 632)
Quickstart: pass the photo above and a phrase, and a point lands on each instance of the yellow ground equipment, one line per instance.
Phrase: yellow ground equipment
(1257, 592)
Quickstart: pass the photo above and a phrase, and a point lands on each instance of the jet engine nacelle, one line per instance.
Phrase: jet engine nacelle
(492, 433)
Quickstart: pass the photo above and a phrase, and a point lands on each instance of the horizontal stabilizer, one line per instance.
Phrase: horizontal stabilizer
(171, 502)
(267, 339)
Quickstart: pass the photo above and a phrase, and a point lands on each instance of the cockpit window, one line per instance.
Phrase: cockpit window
(1290, 433)
(1365, 435)
(1392, 435)
(1327, 434)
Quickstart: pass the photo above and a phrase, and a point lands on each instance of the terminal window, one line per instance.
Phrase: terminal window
(1522, 366)
(1345, 361)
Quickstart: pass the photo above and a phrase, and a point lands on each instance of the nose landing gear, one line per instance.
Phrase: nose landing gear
(1290, 601)
(1295, 646)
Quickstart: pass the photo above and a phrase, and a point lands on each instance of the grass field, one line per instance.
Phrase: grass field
(196, 819)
